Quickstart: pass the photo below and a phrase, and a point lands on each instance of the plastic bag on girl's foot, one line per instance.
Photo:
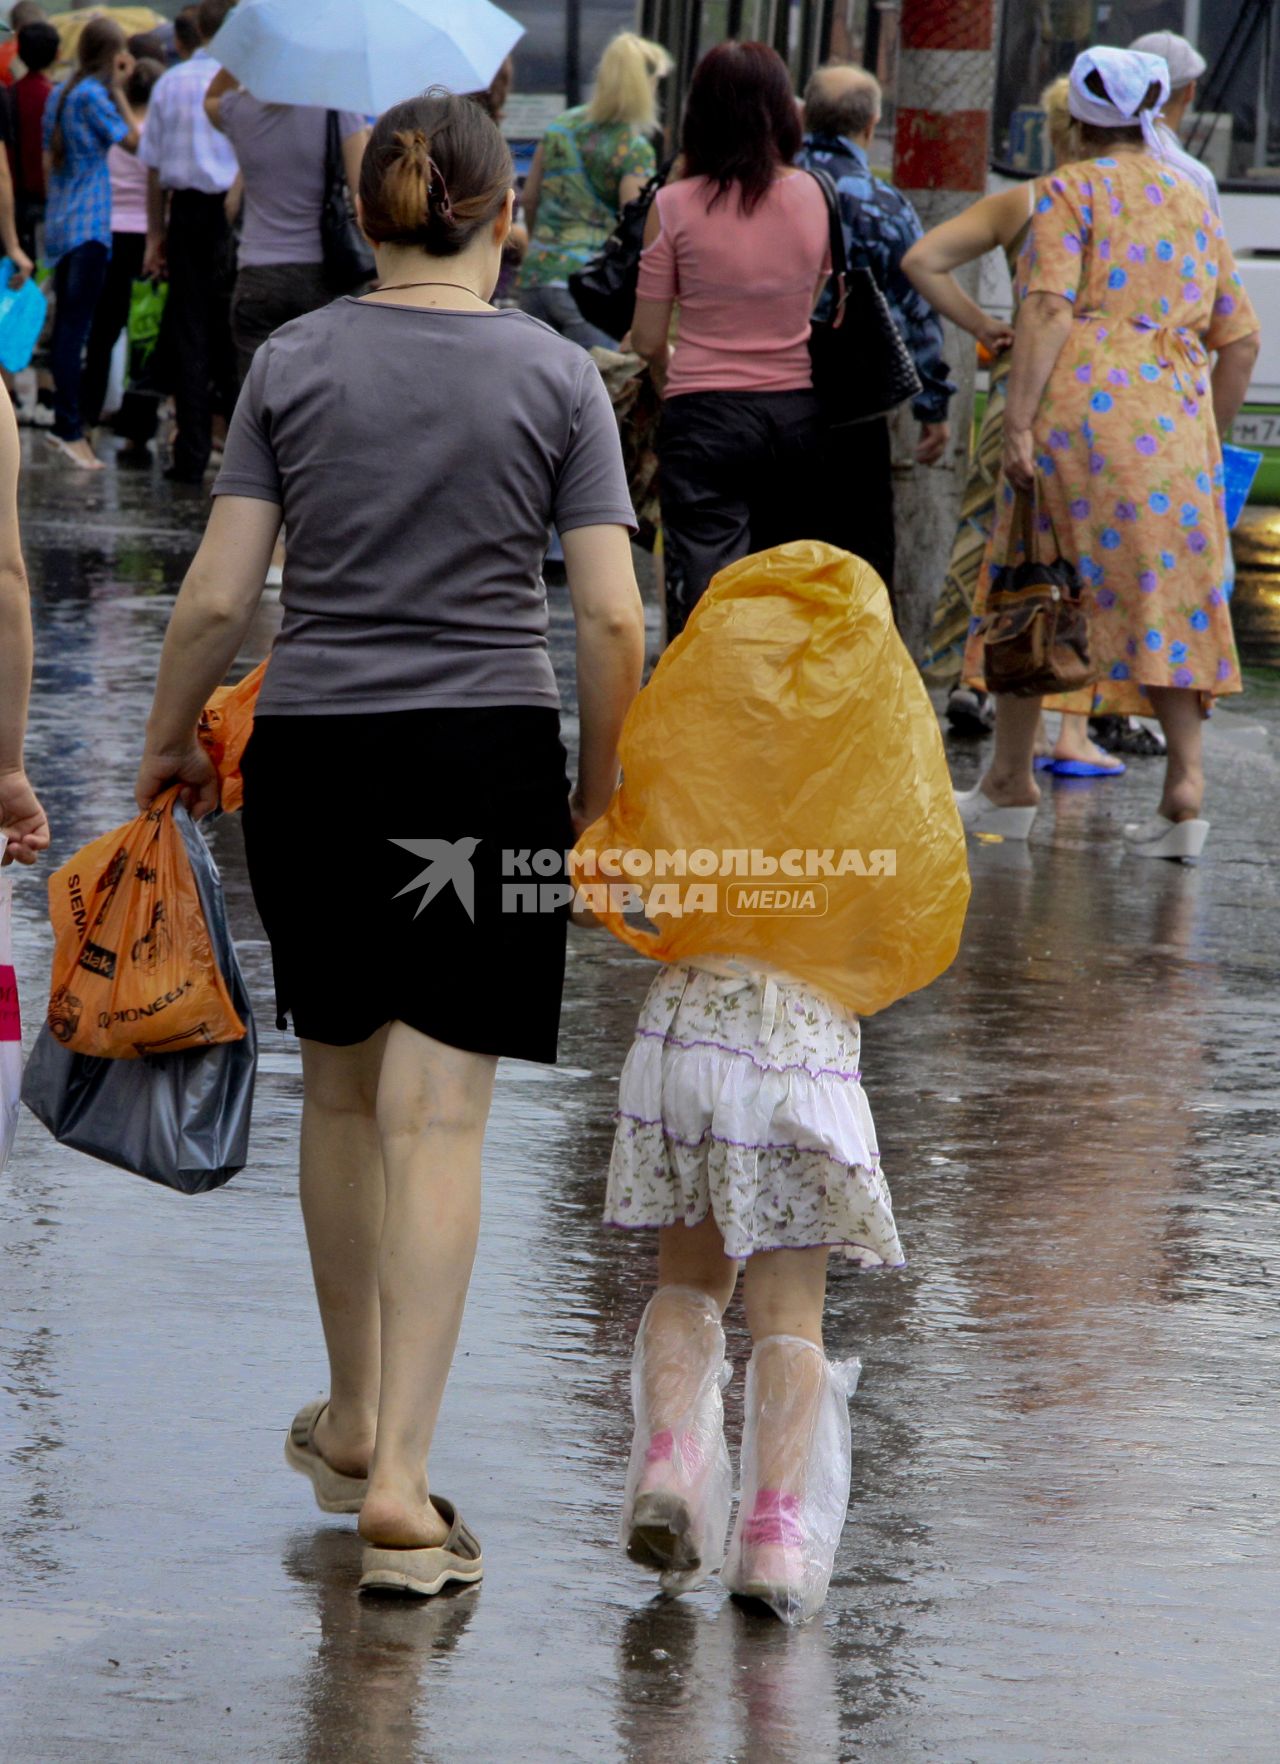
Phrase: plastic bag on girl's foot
(181, 1119)
(133, 969)
(796, 1468)
(10, 1020)
(675, 1512)
(226, 724)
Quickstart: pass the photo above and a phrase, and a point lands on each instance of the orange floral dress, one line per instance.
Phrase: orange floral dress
(1127, 450)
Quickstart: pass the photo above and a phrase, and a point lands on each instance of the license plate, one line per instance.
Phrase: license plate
(1257, 428)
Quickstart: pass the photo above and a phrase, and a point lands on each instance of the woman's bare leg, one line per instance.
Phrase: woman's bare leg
(1010, 778)
(342, 1203)
(433, 1102)
(1178, 708)
(1075, 743)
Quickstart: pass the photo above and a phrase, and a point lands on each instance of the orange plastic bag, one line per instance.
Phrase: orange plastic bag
(786, 757)
(226, 724)
(133, 969)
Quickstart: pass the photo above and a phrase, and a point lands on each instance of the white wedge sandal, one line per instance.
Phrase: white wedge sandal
(1160, 837)
(981, 815)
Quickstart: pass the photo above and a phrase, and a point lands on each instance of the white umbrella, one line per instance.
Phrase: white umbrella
(363, 55)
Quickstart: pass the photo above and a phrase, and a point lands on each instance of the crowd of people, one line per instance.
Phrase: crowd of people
(411, 673)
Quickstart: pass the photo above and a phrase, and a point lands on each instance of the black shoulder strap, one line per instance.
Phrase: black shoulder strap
(839, 256)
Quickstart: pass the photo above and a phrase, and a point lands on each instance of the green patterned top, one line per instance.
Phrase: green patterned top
(583, 165)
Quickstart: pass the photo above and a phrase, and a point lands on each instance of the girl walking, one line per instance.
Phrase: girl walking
(744, 1134)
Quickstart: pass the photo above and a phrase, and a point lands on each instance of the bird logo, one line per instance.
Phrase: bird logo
(447, 862)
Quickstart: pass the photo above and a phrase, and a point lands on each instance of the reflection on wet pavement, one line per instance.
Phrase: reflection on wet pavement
(1062, 1539)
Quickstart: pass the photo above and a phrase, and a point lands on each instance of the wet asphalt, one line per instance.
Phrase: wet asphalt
(1062, 1540)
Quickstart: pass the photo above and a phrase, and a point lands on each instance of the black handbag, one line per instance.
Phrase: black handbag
(862, 368)
(348, 261)
(1035, 628)
(605, 288)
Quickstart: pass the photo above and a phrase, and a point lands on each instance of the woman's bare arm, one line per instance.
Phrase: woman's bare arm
(22, 819)
(1232, 371)
(1044, 324)
(609, 617)
(989, 225)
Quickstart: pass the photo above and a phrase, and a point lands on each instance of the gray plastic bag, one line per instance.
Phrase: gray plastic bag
(181, 1119)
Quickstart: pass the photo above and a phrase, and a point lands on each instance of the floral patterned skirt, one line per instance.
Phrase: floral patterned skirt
(741, 1096)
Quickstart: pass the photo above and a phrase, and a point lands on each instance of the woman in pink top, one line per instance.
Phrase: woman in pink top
(740, 244)
(128, 242)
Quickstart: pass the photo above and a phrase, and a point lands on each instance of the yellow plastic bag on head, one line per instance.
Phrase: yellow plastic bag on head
(787, 739)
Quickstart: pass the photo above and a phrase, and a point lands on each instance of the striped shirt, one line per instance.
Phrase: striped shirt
(180, 142)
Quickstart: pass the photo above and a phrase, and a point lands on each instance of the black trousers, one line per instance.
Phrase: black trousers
(738, 472)
(197, 323)
(110, 318)
(267, 296)
(857, 475)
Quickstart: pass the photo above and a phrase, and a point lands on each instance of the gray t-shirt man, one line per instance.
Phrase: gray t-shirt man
(281, 150)
(420, 458)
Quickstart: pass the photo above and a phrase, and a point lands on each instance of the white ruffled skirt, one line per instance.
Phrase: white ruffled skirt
(741, 1096)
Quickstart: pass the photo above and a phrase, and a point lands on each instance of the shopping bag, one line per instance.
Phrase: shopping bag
(10, 1020)
(146, 310)
(133, 966)
(785, 798)
(22, 314)
(180, 1119)
(226, 724)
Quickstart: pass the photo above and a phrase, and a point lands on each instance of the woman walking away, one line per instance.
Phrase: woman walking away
(1125, 286)
(128, 244)
(418, 444)
(590, 163)
(83, 120)
(741, 246)
(998, 222)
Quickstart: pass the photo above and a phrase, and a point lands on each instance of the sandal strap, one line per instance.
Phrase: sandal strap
(461, 1541)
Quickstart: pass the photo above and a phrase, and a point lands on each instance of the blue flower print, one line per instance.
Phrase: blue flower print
(1101, 401)
(1080, 509)
(1153, 640)
(1148, 581)
(1199, 620)
(1183, 677)
(1166, 423)
(1168, 559)
(1044, 462)
(1219, 476)
(1044, 205)
(1164, 251)
(1159, 502)
(1188, 266)
(1106, 598)
(1117, 279)
(1177, 652)
(1202, 483)
(1202, 239)
(1104, 250)
(1189, 515)
(1149, 371)
(1119, 670)
(1110, 538)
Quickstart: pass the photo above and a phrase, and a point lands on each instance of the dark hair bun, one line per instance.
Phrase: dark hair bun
(435, 171)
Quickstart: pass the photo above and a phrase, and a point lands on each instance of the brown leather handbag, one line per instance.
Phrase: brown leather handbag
(1036, 633)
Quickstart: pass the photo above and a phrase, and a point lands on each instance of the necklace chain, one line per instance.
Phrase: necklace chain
(403, 287)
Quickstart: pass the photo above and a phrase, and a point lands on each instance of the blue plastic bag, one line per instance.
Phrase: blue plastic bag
(180, 1119)
(1239, 468)
(22, 315)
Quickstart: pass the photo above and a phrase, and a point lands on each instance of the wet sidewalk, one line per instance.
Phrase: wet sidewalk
(1062, 1541)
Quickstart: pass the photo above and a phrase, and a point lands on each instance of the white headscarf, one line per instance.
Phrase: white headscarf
(1126, 74)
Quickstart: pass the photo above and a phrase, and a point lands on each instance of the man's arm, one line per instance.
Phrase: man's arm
(154, 261)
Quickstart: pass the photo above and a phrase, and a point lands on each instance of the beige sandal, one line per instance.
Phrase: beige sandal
(335, 1493)
(422, 1573)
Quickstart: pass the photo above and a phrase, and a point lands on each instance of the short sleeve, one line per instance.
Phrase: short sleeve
(1233, 314)
(350, 122)
(1052, 259)
(636, 159)
(591, 488)
(249, 465)
(658, 277)
(229, 107)
(102, 116)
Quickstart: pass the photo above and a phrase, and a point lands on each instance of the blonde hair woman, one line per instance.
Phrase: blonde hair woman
(591, 162)
(997, 222)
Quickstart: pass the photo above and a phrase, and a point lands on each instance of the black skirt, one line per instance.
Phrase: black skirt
(395, 859)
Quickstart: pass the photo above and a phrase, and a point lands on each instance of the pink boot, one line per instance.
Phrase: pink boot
(772, 1550)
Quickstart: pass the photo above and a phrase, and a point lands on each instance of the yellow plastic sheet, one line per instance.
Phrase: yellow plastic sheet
(787, 718)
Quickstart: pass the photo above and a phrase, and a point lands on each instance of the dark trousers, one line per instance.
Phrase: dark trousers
(197, 323)
(737, 473)
(858, 494)
(77, 283)
(110, 318)
(268, 295)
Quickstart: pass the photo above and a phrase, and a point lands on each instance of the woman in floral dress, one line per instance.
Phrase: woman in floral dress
(1126, 287)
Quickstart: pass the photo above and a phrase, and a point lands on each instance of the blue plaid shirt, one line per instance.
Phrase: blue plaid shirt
(79, 210)
(880, 226)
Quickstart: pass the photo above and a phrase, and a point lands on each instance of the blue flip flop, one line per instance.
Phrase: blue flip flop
(1085, 769)
(1044, 762)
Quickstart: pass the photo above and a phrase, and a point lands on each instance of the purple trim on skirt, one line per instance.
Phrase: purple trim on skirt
(815, 1151)
(742, 1054)
(879, 1266)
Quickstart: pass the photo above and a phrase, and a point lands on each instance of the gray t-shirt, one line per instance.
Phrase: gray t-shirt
(281, 149)
(420, 458)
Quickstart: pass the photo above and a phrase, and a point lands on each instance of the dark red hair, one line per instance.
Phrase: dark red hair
(741, 121)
